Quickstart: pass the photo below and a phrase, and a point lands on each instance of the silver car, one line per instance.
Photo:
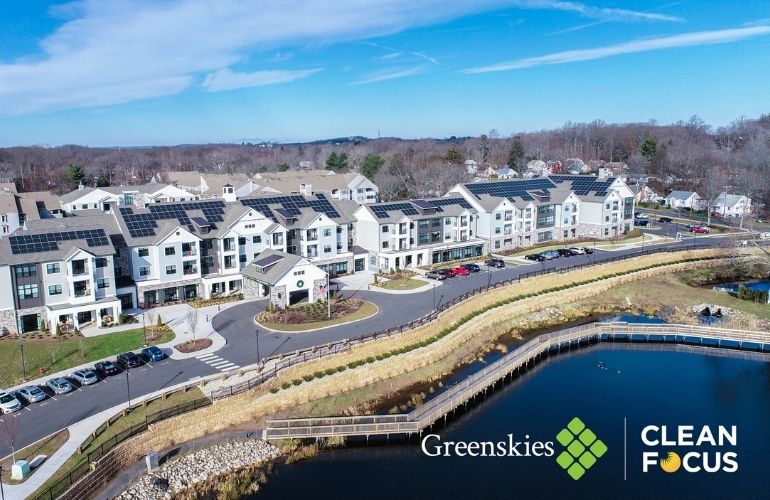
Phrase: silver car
(59, 385)
(31, 394)
(84, 377)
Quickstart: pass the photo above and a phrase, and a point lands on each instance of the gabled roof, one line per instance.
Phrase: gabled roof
(43, 245)
(270, 266)
(425, 208)
(682, 195)
(728, 200)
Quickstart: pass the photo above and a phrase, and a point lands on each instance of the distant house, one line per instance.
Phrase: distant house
(506, 173)
(471, 166)
(226, 186)
(731, 205)
(643, 194)
(108, 197)
(685, 199)
(346, 186)
(17, 208)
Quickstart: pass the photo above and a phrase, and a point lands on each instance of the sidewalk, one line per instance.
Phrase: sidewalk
(174, 316)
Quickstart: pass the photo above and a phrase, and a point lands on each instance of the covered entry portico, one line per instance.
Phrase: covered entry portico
(286, 279)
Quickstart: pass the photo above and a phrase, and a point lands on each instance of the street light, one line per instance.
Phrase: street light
(23, 361)
(256, 333)
(128, 387)
(144, 328)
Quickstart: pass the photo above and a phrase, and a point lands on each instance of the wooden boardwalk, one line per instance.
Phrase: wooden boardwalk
(483, 380)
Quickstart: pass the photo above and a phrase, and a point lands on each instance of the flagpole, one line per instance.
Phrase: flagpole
(328, 304)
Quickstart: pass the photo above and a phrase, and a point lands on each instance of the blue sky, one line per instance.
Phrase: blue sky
(140, 72)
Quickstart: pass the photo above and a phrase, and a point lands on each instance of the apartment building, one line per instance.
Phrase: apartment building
(108, 198)
(348, 186)
(414, 233)
(59, 279)
(524, 212)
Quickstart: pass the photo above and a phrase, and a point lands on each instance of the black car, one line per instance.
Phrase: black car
(106, 368)
(474, 268)
(129, 360)
(495, 263)
(588, 250)
(565, 252)
(666, 219)
(642, 223)
(536, 257)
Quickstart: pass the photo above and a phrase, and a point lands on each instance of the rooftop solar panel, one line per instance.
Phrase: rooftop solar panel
(200, 221)
(48, 242)
(423, 204)
(268, 261)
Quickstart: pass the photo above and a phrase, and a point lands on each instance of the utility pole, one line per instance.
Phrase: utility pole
(23, 361)
(128, 387)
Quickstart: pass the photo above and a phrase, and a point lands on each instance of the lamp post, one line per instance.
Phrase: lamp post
(144, 327)
(434, 296)
(128, 387)
(23, 361)
(256, 333)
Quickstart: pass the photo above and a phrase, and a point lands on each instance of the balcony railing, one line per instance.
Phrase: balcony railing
(190, 270)
(82, 293)
(189, 253)
(79, 271)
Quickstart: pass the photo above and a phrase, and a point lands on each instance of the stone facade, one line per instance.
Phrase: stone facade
(251, 289)
(278, 296)
(7, 322)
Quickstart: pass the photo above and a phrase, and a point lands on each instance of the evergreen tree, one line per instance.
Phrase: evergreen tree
(516, 154)
(371, 165)
(454, 156)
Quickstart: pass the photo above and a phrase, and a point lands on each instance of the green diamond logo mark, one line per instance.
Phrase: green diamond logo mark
(582, 448)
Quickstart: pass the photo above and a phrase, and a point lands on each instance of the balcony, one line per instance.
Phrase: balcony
(82, 290)
(190, 270)
(189, 253)
(79, 268)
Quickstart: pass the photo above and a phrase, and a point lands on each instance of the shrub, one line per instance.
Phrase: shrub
(285, 385)
(274, 390)
(296, 381)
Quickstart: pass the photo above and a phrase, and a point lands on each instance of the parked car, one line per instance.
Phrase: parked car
(686, 209)
(474, 268)
(764, 236)
(85, 377)
(153, 353)
(450, 272)
(435, 275)
(129, 360)
(106, 369)
(666, 219)
(31, 394)
(641, 215)
(495, 263)
(59, 385)
(461, 271)
(716, 214)
(564, 252)
(535, 256)
(642, 222)
(588, 250)
(551, 254)
(8, 403)
(700, 229)
(760, 220)
(577, 250)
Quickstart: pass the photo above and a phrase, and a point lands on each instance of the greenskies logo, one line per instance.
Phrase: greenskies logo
(582, 451)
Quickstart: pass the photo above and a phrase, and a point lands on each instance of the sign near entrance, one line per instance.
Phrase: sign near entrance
(300, 283)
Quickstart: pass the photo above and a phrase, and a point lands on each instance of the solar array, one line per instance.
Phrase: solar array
(48, 242)
(584, 185)
(512, 189)
(145, 224)
(290, 205)
(382, 211)
(267, 261)
(200, 221)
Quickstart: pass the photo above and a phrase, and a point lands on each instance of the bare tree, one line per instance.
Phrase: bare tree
(191, 318)
(9, 432)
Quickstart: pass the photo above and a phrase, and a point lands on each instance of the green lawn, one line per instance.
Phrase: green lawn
(47, 447)
(402, 284)
(54, 354)
(366, 310)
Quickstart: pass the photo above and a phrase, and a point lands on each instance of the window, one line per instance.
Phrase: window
(144, 271)
(606, 218)
(435, 222)
(84, 206)
(385, 244)
(26, 270)
(497, 243)
(229, 244)
(498, 216)
(143, 252)
(5, 229)
(52, 268)
(242, 258)
(277, 238)
(170, 269)
(497, 230)
(544, 236)
(606, 231)
(546, 216)
(424, 223)
(103, 283)
(241, 240)
(250, 226)
(188, 249)
(607, 206)
(256, 239)
(170, 250)
(327, 231)
(384, 228)
(28, 291)
(327, 248)
(424, 238)
(81, 288)
(54, 289)
(447, 236)
(299, 273)
(101, 262)
(229, 262)
(448, 222)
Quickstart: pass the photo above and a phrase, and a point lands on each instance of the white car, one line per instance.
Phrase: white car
(85, 376)
(9, 403)
(577, 250)
(764, 236)
(641, 215)
(31, 393)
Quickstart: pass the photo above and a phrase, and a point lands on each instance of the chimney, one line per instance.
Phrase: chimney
(306, 189)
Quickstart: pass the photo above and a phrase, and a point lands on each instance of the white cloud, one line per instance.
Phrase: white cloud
(667, 42)
(425, 56)
(116, 51)
(224, 79)
(389, 74)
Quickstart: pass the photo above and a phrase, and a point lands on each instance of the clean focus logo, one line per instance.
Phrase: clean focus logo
(581, 448)
(691, 449)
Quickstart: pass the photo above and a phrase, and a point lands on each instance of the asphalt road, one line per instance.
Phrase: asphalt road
(237, 325)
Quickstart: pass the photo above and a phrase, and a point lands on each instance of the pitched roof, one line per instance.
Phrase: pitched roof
(728, 200)
(425, 208)
(320, 181)
(51, 244)
(681, 195)
(270, 266)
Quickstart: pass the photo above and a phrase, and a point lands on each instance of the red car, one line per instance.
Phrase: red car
(461, 271)
(450, 272)
(700, 230)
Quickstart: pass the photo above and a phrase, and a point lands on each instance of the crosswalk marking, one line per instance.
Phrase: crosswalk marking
(217, 362)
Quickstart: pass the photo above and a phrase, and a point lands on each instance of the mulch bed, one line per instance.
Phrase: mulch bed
(311, 313)
(192, 346)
